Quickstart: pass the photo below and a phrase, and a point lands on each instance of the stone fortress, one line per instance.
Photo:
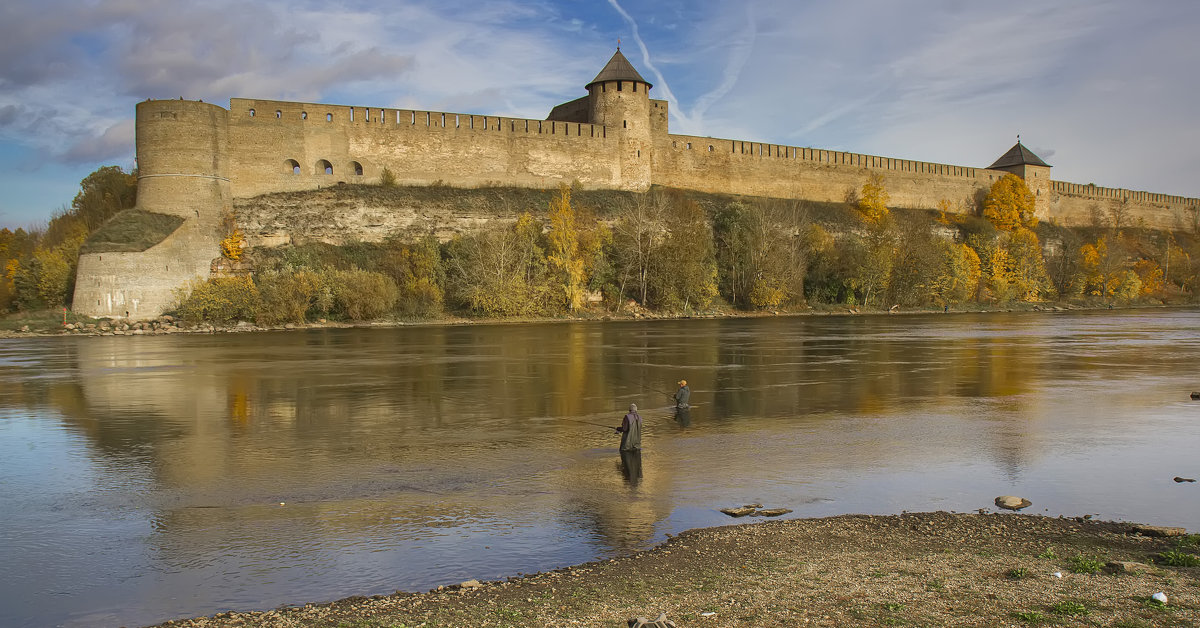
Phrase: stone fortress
(195, 158)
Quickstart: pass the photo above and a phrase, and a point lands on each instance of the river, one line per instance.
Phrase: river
(149, 478)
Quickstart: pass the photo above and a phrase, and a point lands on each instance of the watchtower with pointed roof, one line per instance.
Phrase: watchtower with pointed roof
(619, 99)
(1022, 162)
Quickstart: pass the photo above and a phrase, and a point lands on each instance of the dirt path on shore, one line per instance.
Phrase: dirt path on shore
(930, 569)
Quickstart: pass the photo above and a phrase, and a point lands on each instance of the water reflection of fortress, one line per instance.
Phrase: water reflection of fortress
(195, 159)
(424, 420)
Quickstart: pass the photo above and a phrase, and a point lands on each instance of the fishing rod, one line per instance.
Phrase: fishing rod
(607, 427)
(644, 386)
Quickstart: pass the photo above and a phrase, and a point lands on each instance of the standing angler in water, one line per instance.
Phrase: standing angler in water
(683, 394)
(631, 430)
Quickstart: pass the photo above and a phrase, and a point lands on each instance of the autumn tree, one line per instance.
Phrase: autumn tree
(870, 260)
(1151, 276)
(1010, 204)
(957, 279)
(102, 194)
(684, 267)
(637, 238)
(1181, 269)
(873, 200)
(1063, 263)
(500, 270)
(563, 254)
(826, 279)
(917, 265)
(760, 254)
(219, 300)
(8, 263)
(1104, 271)
(416, 267)
(1026, 272)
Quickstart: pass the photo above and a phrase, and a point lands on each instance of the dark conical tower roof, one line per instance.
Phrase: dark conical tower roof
(618, 68)
(1018, 155)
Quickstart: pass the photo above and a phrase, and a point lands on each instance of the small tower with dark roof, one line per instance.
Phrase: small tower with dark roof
(1022, 162)
(619, 99)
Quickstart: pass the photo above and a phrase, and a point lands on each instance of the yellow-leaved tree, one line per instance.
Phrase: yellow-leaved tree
(1027, 271)
(563, 256)
(1104, 272)
(1009, 204)
(958, 278)
(873, 200)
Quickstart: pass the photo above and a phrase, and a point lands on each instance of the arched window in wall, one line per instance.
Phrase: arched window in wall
(278, 113)
(325, 167)
(303, 115)
(358, 169)
(251, 113)
(291, 166)
(329, 117)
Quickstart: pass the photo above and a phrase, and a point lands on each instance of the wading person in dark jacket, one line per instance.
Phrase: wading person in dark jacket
(631, 430)
(683, 394)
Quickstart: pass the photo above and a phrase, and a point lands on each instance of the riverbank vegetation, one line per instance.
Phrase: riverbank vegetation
(666, 252)
(677, 253)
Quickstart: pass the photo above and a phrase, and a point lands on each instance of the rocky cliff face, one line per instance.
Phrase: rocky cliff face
(366, 213)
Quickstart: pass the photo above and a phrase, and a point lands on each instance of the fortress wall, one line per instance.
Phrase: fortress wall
(658, 117)
(142, 285)
(419, 147)
(578, 110)
(1076, 204)
(759, 169)
(183, 163)
(182, 149)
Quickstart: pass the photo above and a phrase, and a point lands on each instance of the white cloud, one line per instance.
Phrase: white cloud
(115, 143)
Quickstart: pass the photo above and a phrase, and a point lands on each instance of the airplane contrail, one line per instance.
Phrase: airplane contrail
(690, 121)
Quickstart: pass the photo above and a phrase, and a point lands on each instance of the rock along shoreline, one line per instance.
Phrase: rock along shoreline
(852, 570)
(167, 324)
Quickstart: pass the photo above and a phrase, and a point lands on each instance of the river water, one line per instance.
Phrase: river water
(148, 478)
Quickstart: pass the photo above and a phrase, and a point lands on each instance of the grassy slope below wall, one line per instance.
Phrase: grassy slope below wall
(131, 230)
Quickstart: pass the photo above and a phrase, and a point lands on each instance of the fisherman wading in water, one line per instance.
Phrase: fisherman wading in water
(631, 430)
(682, 395)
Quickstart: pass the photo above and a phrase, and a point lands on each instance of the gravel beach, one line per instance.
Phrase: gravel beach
(921, 569)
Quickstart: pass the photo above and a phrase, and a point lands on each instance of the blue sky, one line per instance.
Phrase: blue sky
(1104, 91)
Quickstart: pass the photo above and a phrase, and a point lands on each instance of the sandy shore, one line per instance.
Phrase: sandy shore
(929, 569)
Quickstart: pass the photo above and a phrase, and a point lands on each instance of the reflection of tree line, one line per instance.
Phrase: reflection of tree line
(454, 378)
(351, 397)
(446, 378)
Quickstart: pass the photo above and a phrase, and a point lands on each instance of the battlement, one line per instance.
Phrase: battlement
(243, 111)
(288, 146)
(1093, 191)
(762, 150)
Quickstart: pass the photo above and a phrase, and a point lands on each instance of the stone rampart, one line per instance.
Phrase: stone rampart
(774, 170)
(283, 146)
(1077, 204)
(144, 284)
